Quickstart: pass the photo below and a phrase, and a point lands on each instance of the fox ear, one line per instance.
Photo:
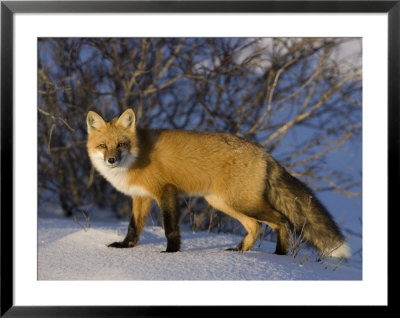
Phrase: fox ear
(94, 121)
(127, 119)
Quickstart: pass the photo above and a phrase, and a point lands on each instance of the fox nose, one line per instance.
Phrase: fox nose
(111, 160)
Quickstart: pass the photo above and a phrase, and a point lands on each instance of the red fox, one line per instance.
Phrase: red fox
(235, 176)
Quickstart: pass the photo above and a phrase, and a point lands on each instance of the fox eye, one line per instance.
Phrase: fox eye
(122, 145)
(102, 146)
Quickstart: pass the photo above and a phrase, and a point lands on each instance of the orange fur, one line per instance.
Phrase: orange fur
(196, 163)
(228, 171)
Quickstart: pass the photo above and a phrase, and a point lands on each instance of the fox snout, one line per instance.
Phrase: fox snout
(113, 159)
(112, 162)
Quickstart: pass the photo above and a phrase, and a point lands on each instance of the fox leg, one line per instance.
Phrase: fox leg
(279, 223)
(282, 238)
(169, 206)
(253, 228)
(251, 225)
(141, 207)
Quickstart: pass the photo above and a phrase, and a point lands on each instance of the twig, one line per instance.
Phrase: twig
(56, 118)
(295, 243)
(264, 234)
(87, 219)
(211, 220)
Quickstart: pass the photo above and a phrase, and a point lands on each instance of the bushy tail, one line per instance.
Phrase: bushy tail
(306, 214)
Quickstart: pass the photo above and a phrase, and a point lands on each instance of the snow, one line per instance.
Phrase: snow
(66, 251)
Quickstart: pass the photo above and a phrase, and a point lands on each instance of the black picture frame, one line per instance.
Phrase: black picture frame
(8, 8)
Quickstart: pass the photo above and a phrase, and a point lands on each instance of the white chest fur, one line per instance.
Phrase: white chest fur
(119, 178)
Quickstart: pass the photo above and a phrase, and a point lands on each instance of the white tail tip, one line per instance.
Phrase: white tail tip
(343, 251)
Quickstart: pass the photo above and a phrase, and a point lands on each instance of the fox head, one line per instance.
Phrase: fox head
(112, 144)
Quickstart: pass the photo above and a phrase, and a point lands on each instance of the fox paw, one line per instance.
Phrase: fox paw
(169, 251)
(232, 249)
(172, 248)
(235, 249)
(120, 245)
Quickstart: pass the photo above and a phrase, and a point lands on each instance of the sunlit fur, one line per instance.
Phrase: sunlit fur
(235, 176)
